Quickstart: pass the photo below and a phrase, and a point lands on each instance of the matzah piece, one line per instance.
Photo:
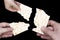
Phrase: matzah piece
(41, 19)
(25, 11)
(19, 27)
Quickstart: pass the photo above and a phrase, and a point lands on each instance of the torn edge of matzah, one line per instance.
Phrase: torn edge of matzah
(41, 19)
(25, 11)
(19, 27)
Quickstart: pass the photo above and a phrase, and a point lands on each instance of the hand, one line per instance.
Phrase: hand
(12, 5)
(5, 30)
(44, 36)
(52, 33)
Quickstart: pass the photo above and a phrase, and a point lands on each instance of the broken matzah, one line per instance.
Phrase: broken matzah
(41, 19)
(25, 11)
(19, 27)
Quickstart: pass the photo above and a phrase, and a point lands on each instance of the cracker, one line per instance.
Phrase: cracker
(41, 19)
(19, 27)
(25, 11)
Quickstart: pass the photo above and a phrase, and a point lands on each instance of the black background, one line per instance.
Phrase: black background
(49, 6)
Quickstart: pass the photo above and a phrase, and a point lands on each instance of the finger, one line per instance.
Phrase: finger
(18, 3)
(4, 24)
(43, 36)
(52, 23)
(16, 6)
(3, 30)
(11, 8)
(7, 34)
(46, 37)
(38, 34)
(47, 31)
(50, 28)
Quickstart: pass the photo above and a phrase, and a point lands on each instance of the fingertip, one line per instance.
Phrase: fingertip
(5, 36)
(52, 22)
(9, 29)
(38, 34)
(50, 28)
(42, 37)
(14, 11)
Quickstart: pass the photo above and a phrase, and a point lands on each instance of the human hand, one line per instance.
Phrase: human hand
(5, 30)
(52, 33)
(45, 36)
(12, 5)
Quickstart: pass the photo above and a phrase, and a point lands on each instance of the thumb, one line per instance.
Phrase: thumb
(3, 30)
(16, 6)
(18, 3)
(47, 31)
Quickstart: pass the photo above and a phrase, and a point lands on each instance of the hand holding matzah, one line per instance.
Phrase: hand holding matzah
(19, 27)
(55, 35)
(41, 19)
(5, 30)
(25, 11)
(11, 5)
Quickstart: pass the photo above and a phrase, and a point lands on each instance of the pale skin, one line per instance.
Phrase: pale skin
(5, 30)
(12, 5)
(50, 33)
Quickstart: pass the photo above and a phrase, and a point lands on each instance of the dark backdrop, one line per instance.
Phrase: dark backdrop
(50, 7)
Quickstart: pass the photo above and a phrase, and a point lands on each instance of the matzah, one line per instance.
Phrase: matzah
(25, 11)
(19, 27)
(41, 19)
